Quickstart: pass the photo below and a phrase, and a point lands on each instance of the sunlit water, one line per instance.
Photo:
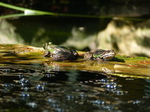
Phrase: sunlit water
(35, 88)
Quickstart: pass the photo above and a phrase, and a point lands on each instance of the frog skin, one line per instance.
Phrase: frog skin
(59, 53)
(100, 55)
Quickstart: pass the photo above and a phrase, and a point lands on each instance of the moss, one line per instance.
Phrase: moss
(129, 58)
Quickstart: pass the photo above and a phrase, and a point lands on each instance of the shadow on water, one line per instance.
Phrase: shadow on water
(36, 88)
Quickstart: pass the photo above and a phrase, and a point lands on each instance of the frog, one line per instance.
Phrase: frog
(100, 55)
(59, 53)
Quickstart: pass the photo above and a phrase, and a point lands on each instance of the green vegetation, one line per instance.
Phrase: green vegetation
(131, 58)
(31, 12)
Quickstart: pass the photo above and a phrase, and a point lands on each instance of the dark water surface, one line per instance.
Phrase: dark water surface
(37, 88)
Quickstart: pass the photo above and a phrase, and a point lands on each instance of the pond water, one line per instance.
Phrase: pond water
(36, 87)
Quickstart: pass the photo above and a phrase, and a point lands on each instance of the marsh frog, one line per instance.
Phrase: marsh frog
(60, 53)
(100, 55)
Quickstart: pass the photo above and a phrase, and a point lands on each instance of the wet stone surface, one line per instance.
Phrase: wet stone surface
(32, 88)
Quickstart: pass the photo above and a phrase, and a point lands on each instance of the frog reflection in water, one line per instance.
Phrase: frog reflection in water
(61, 53)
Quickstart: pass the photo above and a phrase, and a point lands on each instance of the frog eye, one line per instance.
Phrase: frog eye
(49, 43)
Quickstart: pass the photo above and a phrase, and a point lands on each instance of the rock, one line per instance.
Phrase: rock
(125, 38)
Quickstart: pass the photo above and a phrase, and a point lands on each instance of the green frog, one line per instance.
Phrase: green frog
(59, 53)
(100, 55)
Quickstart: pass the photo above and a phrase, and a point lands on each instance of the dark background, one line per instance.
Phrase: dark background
(132, 8)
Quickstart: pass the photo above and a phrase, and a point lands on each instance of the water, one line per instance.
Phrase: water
(60, 87)
(29, 88)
